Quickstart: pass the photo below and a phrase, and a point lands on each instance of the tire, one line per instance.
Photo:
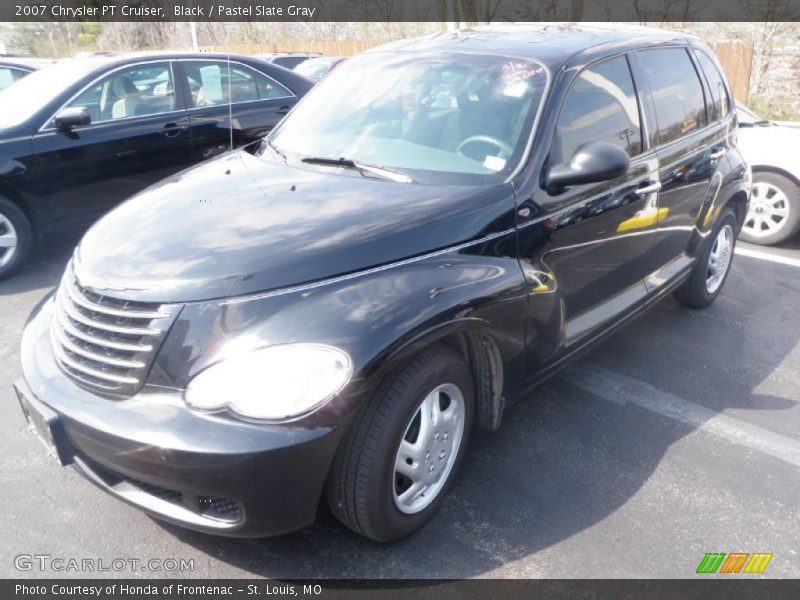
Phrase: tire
(712, 265)
(774, 214)
(15, 228)
(365, 491)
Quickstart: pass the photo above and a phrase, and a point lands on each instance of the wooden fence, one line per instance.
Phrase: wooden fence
(737, 60)
(736, 57)
(345, 48)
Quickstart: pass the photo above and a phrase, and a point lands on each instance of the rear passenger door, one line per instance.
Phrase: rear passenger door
(690, 145)
(230, 103)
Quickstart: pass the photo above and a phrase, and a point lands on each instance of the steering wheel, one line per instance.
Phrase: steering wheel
(505, 150)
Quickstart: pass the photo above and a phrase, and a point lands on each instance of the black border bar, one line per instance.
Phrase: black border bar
(465, 11)
(729, 587)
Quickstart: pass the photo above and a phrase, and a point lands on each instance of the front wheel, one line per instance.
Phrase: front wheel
(711, 266)
(16, 237)
(399, 459)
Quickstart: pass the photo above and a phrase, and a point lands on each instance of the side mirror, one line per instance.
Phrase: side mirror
(592, 162)
(68, 118)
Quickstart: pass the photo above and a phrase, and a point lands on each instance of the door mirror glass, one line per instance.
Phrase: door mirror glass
(71, 117)
(592, 162)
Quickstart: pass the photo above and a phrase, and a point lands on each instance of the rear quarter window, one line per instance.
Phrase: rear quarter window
(720, 101)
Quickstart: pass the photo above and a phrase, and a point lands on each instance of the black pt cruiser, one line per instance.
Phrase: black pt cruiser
(435, 229)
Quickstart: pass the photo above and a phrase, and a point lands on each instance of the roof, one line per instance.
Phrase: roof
(24, 62)
(550, 43)
(90, 62)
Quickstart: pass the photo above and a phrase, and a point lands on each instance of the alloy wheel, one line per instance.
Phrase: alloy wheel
(720, 259)
(8, 240)
(428, 449)
(769, 210)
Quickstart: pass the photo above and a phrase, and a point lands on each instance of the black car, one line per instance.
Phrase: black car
(13, 69)
(335, 309)
(81, 136)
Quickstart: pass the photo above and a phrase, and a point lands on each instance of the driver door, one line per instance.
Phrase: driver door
(592, 248)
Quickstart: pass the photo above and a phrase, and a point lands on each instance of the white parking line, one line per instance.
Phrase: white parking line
(622, 389)
(784, 260)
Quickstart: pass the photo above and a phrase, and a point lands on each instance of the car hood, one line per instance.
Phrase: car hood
(772, 146)
(241, 224)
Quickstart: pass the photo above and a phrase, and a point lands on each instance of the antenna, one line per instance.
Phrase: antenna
(230, 102)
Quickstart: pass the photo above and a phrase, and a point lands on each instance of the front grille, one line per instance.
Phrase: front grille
(104, 343)
(218, 507)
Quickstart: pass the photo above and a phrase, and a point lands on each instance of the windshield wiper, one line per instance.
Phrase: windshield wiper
(363, 168)
(761, 123)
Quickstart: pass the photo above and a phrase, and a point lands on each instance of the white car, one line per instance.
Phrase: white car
(771, 149)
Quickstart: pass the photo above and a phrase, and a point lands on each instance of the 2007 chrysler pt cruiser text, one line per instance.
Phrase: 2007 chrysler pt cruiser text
(435, 229)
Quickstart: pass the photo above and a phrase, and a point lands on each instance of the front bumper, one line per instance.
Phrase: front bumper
(207, 472)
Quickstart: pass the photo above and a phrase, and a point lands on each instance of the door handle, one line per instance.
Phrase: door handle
(648, 189)
(173, 129)
(282, 110)
(718, 154)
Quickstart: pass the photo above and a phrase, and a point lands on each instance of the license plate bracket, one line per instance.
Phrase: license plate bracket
(45, 424)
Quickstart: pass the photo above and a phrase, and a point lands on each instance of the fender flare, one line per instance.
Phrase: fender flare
(471, 338)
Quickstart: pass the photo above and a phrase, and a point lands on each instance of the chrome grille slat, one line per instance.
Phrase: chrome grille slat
(64, 340)
(78, 316)
(76, 297)
(92, 382)
(74, 364)
(104, 343)
(71, 329)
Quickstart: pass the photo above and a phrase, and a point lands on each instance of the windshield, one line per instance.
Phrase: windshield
(316, 68)
(439, 118)
(30, 94)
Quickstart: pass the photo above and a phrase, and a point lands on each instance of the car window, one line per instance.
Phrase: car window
(9, 75)
(600, 106)
(136, 91)
(212, 83)
(289, 62)
(315, 68)
(719, 92)
(677, 92)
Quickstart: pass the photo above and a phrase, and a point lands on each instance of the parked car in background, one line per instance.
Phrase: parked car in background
(13, 69)
(771, 149)
(86, 134)
(288, 60)
(397, 262)
(316, 68)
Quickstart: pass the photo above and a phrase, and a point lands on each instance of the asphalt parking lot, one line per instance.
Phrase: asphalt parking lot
(676, 437)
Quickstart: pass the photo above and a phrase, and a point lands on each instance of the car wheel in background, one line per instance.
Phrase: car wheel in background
(712, 264)
(774, 214)
(16, 237)
(398, 460)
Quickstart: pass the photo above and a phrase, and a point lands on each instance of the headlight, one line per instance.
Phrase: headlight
(277, 382)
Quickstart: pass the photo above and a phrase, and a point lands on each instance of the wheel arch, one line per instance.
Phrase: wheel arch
(777, 171)
(8, 192)
(473, 339)
(738, 201)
